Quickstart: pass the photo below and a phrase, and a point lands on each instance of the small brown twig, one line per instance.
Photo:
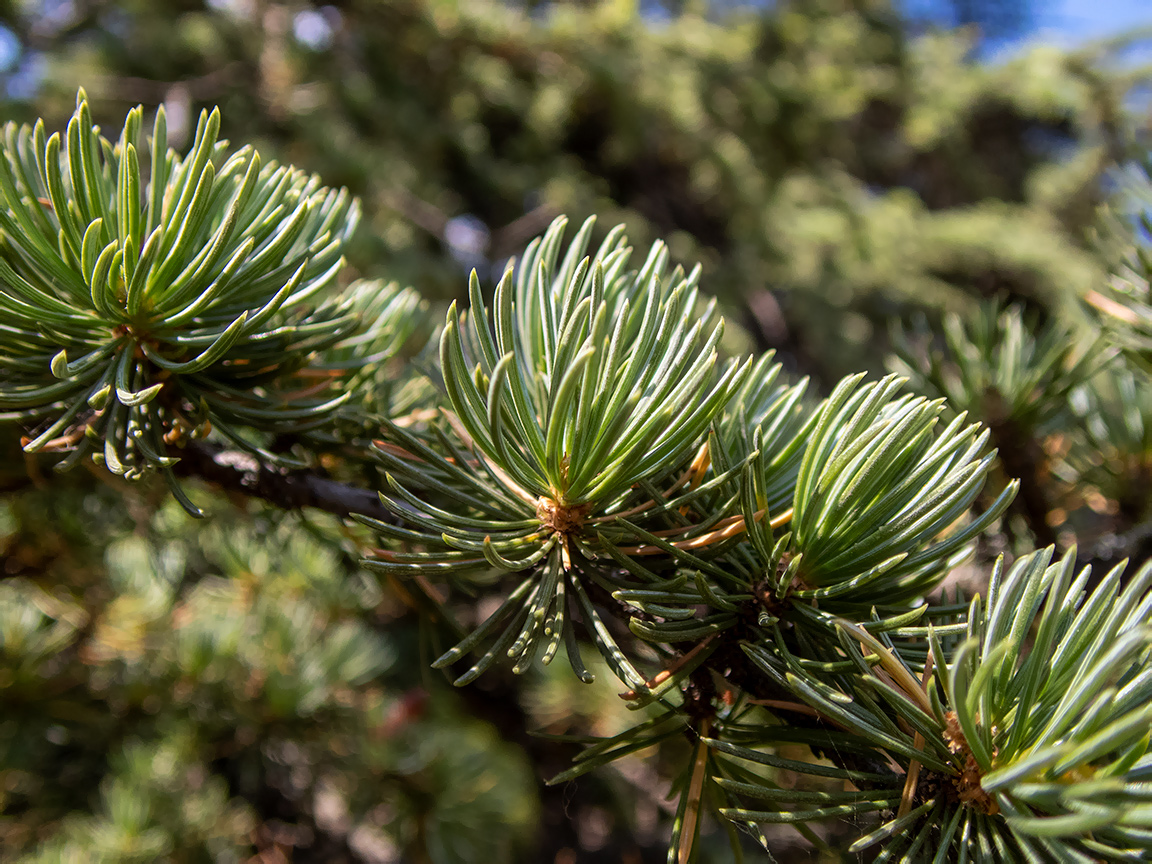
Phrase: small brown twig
(665, 674)
(724, 529)
(913, 776)
(291, 489)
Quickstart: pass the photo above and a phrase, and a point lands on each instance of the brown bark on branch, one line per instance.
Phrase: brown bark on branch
(236, 471)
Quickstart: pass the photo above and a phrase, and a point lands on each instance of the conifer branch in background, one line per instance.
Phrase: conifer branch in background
(755, 566)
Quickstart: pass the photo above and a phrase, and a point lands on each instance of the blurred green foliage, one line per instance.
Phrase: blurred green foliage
(200, 680)
(811, 155)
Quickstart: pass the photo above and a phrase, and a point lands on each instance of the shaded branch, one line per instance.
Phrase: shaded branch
(236, 471)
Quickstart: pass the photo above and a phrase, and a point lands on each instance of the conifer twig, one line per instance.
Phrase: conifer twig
(236, 471)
